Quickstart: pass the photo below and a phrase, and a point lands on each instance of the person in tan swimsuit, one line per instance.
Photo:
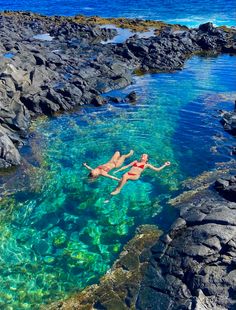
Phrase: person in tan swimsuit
(116, 161)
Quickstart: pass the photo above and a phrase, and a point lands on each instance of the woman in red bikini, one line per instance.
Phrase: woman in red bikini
(136, 171)
(116, 161)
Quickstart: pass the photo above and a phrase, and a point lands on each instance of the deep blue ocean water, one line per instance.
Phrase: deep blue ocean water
(187, 12)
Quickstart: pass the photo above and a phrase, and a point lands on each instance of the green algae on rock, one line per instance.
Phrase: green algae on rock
(119, 286)
(136, 25)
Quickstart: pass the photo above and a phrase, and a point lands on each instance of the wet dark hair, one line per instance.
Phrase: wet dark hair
(91, 179)
(91, 176)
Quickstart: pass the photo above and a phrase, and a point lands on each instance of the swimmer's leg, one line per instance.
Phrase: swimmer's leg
(122, 158)
(123, 181)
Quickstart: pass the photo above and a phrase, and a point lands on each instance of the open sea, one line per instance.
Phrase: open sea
(60, 232)
(187, 12)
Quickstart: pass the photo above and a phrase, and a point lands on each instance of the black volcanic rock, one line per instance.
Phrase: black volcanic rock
(195, 264)
(229, 121)
(207, 27)
(98, 101)
(131, 97)
(9, 155)
(227, 187)
(115, 99)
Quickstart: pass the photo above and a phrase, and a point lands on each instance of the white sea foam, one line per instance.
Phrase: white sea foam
(87, 8)
(124, 34)
(195, 21)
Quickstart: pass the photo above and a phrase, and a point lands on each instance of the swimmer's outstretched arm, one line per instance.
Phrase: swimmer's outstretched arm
(125, 167)
(86, 166)
(159, 168)
(110, 176)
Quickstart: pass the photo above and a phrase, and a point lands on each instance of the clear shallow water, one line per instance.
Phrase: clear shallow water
(43, 37)
(124, 34)
(63, 232)
(187, 12)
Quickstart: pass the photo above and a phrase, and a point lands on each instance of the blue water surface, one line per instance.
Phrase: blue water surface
(187, 12)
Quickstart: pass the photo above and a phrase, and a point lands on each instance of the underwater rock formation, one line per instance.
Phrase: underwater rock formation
(51, 64)
(192, 266)
(118, 289)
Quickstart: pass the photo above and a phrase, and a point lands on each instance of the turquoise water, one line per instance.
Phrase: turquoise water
(186, 12)
(61, 232)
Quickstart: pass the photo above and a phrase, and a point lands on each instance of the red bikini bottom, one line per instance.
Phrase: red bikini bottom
(131, 173)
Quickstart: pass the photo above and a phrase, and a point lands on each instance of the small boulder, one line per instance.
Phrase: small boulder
(115, 99)
(131, 97)
(98, 101)
(221, 184)
(9, 155)
(227, 187)
(234, 150)
(207, 27)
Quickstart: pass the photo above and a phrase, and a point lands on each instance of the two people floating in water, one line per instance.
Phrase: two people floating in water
(117, 160)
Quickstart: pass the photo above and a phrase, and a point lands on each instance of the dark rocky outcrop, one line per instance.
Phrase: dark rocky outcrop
(131, 97)
(98, 101)
(227, 187)
(70, 66)
(9, 155)
(229, 121)
(193, 266)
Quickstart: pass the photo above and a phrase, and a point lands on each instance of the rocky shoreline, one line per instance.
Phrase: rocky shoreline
(193, 265)
(190, 267)
(70, 66)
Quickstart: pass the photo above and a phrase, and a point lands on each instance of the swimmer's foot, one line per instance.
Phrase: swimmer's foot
(116, 192)
(130, 153)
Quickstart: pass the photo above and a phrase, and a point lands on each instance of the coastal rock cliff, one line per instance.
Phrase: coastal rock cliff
(193, 267)
(51, 64)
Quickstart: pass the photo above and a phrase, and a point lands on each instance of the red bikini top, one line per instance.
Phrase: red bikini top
(106, 169)
(136, 165)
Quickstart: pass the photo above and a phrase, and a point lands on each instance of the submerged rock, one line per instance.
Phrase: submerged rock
(131, 97)
(229, 121)
(98, 101)
(118, 288)
(115, 99)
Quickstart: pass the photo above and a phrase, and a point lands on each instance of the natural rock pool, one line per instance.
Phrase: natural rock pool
(60, 232)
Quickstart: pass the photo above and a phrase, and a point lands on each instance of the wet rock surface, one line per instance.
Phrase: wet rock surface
(229, 121)
(51, 64)
(227, 187)
(192, 267)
